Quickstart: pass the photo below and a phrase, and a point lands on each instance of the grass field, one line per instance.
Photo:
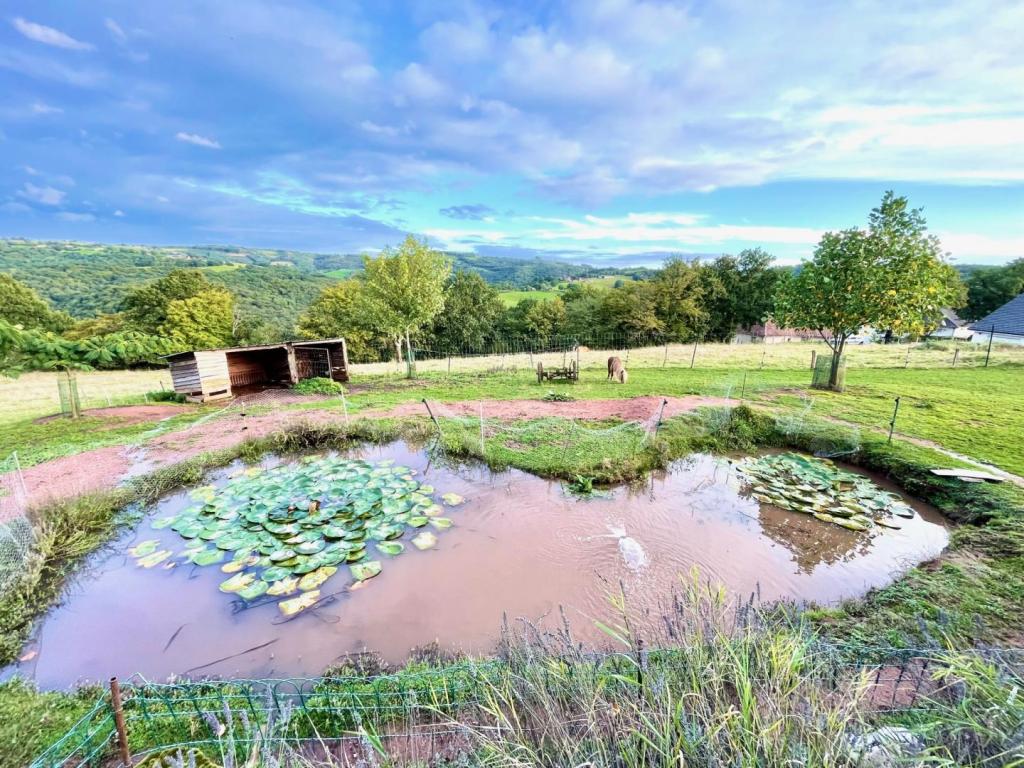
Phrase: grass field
(35, 394)
(511, 298)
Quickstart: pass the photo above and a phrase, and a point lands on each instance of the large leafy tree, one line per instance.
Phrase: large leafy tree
(739, 291)
(341, 310)
(22, 306)
(988, 288)
(632, 309)
(678, 290)
(892, 275)
(203, 321)
(471, 312)
(404, 288)
(146, 307)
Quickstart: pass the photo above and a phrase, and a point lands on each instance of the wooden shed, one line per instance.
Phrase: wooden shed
(212, 374)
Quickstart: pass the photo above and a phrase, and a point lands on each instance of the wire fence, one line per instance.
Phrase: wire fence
(424, 712)
(38, 394)
(659, 351)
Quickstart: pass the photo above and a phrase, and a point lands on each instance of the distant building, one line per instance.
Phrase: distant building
(951, 327)
(1005, 325)
(770, 333)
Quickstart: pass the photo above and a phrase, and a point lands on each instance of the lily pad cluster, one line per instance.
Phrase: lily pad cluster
(285, 531)
(818, 487)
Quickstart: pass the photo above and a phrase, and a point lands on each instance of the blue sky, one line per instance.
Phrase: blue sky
(606, 131)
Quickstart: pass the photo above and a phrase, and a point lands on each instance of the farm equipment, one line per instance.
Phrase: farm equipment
(568, 373)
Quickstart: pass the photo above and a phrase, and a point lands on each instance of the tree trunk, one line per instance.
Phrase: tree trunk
(398, 349)
(408, 352)
(837, 356)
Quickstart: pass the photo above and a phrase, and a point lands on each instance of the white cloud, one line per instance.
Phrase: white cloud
(967, 245)
(119, 213)
(115, 29)
(75, 217)
(39, 108)
(49, 35)
(42, 194)
(199, 141)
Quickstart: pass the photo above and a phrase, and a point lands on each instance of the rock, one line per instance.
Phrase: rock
(886, 747)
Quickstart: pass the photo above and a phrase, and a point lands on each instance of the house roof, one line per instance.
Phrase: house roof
(1009, 318)
(951, 319)
(769, 328)
(257, 347)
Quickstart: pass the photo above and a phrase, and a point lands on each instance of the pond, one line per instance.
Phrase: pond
(517, 546)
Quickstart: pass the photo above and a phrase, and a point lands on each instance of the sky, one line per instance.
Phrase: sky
(609, 132)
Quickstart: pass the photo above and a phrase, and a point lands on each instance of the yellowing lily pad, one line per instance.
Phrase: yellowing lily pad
(300, 603)
(424, 540)
(317, 577)
(153, 558)
(284, 587)
(143, 548)
(237, 583)
(452, 499)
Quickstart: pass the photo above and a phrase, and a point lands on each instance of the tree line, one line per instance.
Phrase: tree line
(890, 274)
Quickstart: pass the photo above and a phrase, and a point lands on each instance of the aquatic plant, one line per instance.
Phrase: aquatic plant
(818, 487)
(286, 530)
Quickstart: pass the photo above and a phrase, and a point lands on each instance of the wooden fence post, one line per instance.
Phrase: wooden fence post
(122, 732)
(814, 359)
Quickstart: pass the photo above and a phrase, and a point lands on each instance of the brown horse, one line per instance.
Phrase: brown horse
(616, 370)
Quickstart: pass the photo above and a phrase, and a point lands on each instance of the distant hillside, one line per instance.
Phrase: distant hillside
(85, 279)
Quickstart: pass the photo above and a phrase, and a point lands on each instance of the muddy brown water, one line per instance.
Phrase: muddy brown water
(520, 547)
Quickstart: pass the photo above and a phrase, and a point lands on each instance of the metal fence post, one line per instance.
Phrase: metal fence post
(122, 732)
(892, 423)
(991, 335)
(694, 355)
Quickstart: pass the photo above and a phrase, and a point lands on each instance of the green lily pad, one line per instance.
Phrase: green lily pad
(441, 523)
(164, 522)
(390, 547)
(254, 590)
(282, 555)
(364, 571)
(452, 499)
(418, 521)
(275, 573)
(206, 557)
(143, 548)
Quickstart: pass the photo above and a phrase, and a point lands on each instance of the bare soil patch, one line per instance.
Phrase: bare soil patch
(125, 415)
(104, 468)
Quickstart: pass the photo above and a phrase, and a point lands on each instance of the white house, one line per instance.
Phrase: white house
(1005, 325)
(951, 327)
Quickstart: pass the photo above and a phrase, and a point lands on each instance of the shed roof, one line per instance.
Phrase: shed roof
(1009, 318)
(257, 347)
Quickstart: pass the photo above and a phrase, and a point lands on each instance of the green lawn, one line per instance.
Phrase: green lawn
(975, 411)
(511, 298)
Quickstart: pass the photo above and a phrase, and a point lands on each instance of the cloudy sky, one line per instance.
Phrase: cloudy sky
(607, 131)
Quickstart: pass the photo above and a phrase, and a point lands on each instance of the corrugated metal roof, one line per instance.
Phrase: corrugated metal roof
(1009, 318)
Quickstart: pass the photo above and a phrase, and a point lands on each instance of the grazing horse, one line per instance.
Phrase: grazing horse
(616, 370)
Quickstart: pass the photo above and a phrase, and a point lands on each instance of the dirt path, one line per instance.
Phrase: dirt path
(104, 468)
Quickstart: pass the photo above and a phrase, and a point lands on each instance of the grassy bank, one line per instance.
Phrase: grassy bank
(748, 690)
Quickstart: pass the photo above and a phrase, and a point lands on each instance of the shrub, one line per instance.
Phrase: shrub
(318, 385)
(165, 396)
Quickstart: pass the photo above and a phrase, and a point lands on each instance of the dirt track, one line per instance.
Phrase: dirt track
(104, 468)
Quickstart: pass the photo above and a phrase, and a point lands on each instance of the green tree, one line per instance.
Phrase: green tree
(203, 321)
(404, 288)
(471, 312)
(22, 306)
(892, 275)
(632, 309)
(544, 318)
(988, 288)
(739, 291)
(678, 291)
(146, 307)
(341, 310)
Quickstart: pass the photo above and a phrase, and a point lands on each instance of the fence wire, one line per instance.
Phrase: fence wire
(424, 709)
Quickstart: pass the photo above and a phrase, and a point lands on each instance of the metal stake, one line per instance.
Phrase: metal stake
(892, 423)
(991, 335)
(694, 355)
(432, 417)
(122, 732)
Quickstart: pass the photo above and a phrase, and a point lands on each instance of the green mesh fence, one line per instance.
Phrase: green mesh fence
(221, 717)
